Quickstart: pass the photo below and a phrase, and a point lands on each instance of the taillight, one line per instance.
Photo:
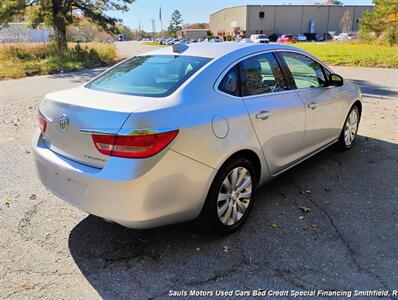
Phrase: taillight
(133, 146)
(42, 123)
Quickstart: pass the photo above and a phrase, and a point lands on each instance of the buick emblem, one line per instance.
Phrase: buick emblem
(64, 122)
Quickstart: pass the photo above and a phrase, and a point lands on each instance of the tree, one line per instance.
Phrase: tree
(175, 23)
(60, 13)
(383, 20)
(346, 21)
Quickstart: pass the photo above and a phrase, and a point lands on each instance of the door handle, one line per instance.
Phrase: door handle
(312, 105)
(263, 115)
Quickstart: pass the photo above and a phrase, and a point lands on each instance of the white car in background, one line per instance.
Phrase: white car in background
(342, 37)
(246, 40)
(259, 38)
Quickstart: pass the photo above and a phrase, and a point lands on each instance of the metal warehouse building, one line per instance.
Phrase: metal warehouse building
(283, 19)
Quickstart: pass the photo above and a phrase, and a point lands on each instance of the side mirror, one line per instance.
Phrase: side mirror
(335, 80)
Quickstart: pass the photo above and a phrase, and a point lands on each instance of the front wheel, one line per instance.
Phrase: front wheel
(230, 197)
(350, 129)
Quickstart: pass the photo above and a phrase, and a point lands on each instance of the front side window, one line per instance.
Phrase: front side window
(230, 84)
(262, 75)
(151, 75)
(306, 72)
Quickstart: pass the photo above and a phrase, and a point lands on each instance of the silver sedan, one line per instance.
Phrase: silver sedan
(190, 131)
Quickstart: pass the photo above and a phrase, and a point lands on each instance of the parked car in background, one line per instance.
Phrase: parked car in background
(286, 38)
(273, 37)
(215, 40)
(300, 38)
(176, 134)
(246, 40)
(172, 42)
(259, 38)
(343, 37)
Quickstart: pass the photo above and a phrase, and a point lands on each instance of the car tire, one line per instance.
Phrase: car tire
(350, 128)
(238, 196)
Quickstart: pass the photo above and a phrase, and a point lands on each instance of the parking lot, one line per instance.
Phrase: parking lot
(340, 234)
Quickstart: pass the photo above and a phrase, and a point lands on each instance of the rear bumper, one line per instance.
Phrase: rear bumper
(137, 193)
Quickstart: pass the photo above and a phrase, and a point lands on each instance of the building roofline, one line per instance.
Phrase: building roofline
(194, 29)
(291, 5)
(220, 10)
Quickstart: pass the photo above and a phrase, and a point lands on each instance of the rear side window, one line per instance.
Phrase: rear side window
(306, 72)
(262, 75)
(152, 76)
(230, 84)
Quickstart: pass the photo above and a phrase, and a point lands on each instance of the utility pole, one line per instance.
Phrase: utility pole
(139, 28)
(161, 22)
(153, 28)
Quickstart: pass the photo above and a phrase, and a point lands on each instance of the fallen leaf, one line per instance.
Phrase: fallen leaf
(304, 192)
(32, 197)
(273, 225)
(305, 209)
(7, 202)
(27, 152)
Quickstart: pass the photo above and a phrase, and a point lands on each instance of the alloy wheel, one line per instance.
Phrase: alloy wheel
(351, 127)
(234, 196)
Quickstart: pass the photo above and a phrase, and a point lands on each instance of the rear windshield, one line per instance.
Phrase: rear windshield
(152, 76)
(262, 36)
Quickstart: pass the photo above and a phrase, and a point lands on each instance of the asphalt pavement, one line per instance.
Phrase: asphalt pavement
(330, 223)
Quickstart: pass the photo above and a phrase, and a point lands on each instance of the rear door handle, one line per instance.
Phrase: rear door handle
(263, 115)
(313, 105)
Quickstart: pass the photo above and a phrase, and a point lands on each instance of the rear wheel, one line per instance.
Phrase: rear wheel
(230, 197)
(350, 129)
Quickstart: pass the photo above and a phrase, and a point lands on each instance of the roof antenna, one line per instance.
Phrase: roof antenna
(179, 48)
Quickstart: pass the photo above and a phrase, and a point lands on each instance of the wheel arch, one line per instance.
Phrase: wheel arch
(359, 105)
(248, 154)
(243, 153)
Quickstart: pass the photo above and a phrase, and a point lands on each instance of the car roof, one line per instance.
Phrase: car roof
(216, 50)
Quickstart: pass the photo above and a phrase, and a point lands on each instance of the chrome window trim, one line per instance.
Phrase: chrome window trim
(233, 64)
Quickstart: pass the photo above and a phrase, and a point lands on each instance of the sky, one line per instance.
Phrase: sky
(193, 11)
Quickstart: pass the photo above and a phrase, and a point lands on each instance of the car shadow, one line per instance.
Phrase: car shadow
(370, 89)
(315, 226)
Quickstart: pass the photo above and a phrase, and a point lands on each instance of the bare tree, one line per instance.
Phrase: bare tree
(346, 21)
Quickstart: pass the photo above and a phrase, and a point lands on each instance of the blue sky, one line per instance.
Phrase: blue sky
(192, 10)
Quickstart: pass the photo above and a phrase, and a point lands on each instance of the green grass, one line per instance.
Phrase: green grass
(354, 54)
(28, 59)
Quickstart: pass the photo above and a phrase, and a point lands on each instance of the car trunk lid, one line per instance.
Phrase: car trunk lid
(73, 115)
